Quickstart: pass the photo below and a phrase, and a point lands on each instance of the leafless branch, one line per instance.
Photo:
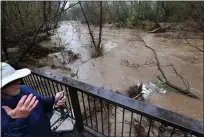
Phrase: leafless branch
(87, 22)
(165, 80)
(101, 22)
(156, 58)
(185, 82)
(194, 45)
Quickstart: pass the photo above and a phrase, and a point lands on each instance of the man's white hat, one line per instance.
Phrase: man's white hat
(9, 74)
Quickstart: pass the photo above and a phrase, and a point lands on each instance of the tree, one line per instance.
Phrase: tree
(27, 23)
(97, 47)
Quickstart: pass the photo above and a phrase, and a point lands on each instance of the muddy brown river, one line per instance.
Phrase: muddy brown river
(122, 47)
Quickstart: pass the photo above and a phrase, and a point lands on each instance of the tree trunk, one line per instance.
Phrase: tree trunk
(87, 22)
(101, 22)
(139, 12)
(3, 30)
(156, 16)
(45, 17)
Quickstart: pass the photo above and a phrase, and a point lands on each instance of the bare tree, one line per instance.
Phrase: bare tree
(3, 30)
(97, 47)
(25, 24)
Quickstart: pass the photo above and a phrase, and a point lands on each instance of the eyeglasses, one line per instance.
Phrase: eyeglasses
(11, 83)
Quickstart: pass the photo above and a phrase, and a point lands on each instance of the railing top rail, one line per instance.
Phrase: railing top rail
(171, 118)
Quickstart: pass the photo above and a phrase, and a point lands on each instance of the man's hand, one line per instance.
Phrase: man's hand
(23, 108)
(59, 101)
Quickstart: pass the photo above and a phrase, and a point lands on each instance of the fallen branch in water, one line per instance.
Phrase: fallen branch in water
(165, 80)
(186, 92)
(146, 64)
(189, 43)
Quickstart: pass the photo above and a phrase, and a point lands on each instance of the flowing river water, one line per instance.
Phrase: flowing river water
(122, 48)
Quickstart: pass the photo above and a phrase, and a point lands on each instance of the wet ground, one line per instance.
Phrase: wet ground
(112, 72)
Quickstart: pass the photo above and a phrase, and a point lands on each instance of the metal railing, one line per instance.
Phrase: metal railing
(106, 113)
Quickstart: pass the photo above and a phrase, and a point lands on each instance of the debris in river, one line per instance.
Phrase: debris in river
(135, 92)
(61, 59)
(53, 66)
(72, 56)
(142, 91)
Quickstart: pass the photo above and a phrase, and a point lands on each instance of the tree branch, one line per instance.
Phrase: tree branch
(101, 22)
(193, 45)
(87, 22)
(165, 80)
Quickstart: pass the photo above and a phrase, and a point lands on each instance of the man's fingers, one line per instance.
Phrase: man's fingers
(60, 103)
(57, 106)
(22, 100)
(32, 102)
(35, 104)
(63, 99)
(59, 95)
(28, 100)
(7, 109)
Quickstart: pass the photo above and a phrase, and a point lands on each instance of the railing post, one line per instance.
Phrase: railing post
(76, 109)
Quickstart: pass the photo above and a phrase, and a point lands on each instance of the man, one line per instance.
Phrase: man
(23, 111)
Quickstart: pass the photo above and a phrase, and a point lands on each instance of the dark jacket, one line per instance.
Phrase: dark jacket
(36, 124)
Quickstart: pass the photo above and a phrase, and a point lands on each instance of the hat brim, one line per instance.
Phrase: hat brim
(17, 75)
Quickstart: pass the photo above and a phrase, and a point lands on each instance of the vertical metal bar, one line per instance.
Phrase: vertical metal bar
(131, 124)
(68, 97)
(76, 108)
(115, 120)
(46, 87)
(54, 87)
(149, 128)
(90, 112)
(53, 93)
(37, 84)
(49, 88)
(61, 87)
(108, 121)
(40, 84)
(123, 122)
(57, 87)
(139, 126)
(172, 132)
(84, 108)
(29, 81)
(26, 81)
(95, 114)
(102, 116)
(44, 90)
(159, 131)
(33, 81)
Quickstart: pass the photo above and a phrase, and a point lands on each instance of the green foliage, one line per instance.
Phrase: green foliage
(134, 13)
(161, 84)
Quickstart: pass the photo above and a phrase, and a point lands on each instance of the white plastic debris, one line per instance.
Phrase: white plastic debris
(163, 91)
(146, 92)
